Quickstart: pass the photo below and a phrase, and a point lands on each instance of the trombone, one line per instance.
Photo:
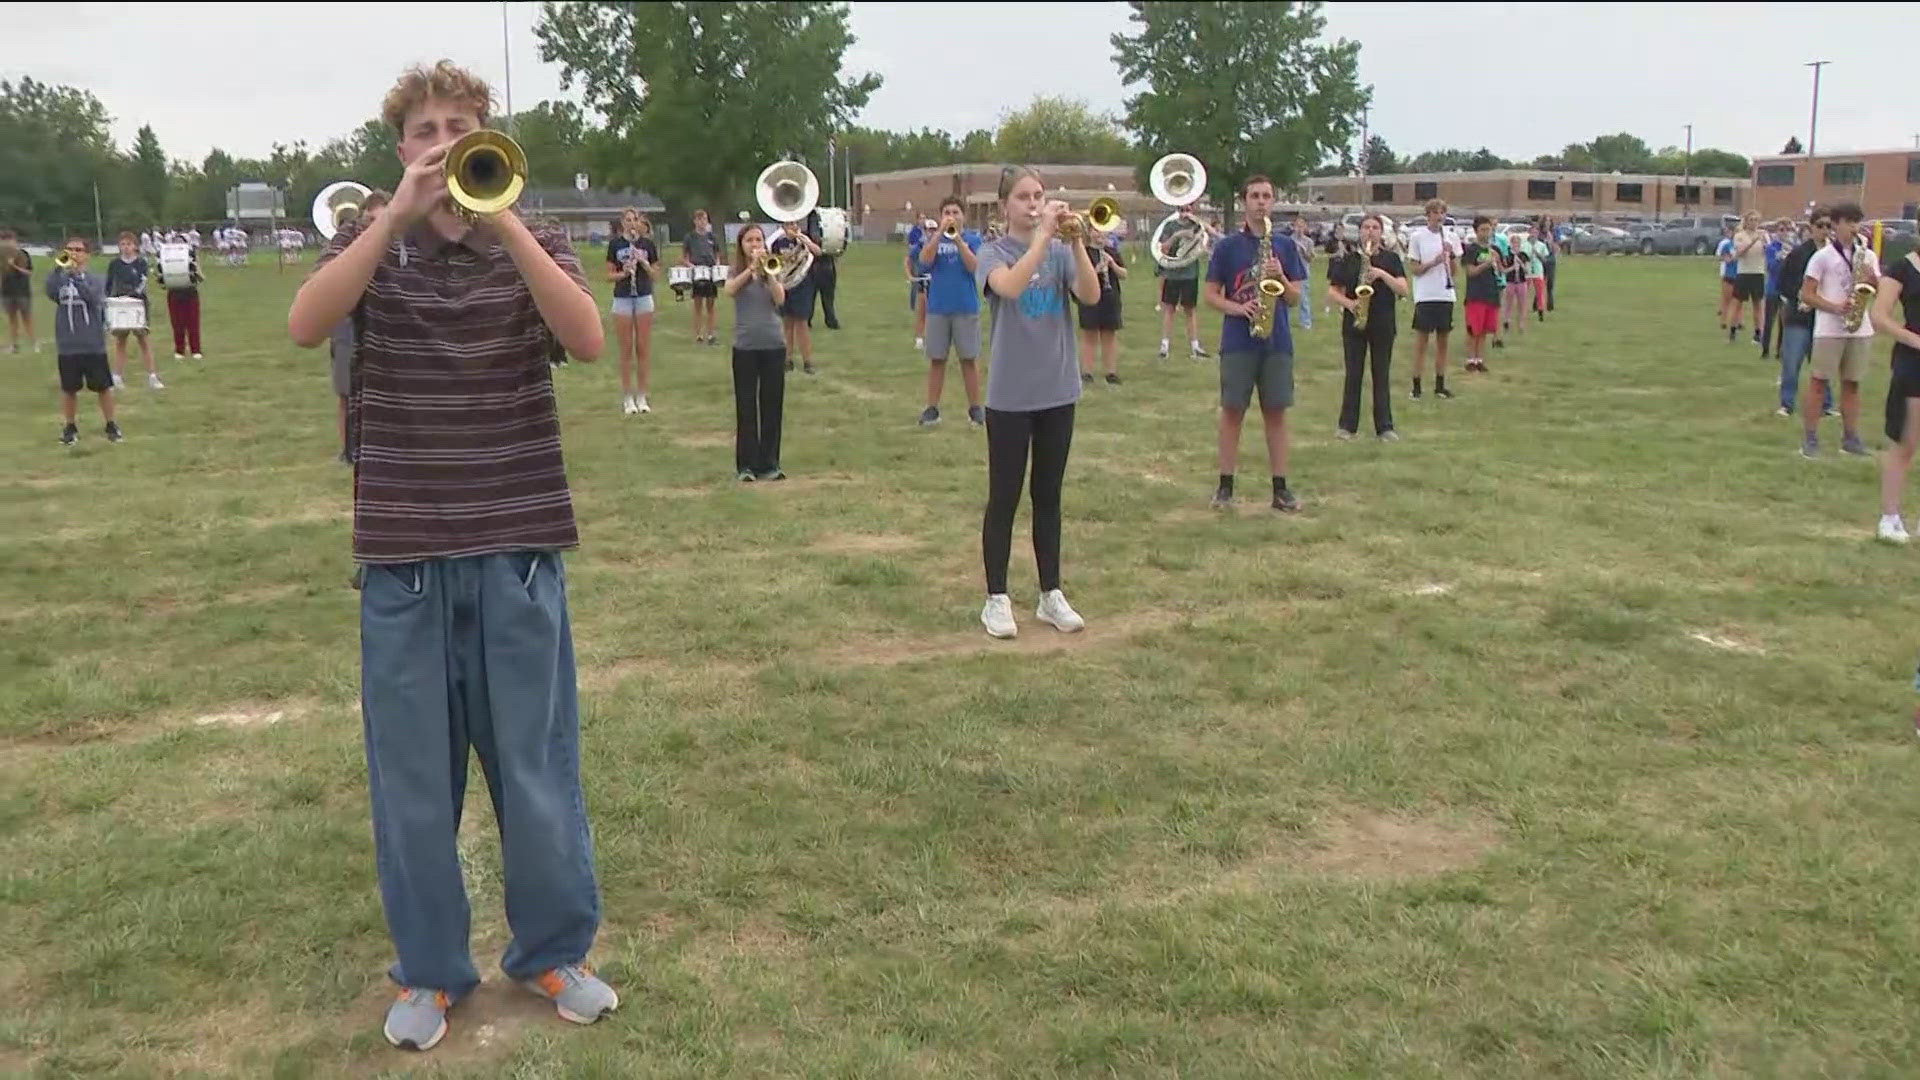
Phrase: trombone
(486, 171)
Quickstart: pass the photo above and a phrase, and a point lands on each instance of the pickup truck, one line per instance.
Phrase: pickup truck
(1686, 235)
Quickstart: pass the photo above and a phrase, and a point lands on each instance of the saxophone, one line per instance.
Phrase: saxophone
(1271, 289)
(1863, 292)
(1364, 293)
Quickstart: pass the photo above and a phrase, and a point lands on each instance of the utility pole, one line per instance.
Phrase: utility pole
(1813, 125)
(506, 56)
(1686, 166)
(1365, 115)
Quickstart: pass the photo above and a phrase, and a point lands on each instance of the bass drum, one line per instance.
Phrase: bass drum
(833, 231)
(176, 265)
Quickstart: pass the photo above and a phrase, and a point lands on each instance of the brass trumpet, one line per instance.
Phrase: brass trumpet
(770, 265)
(486, 171)
(1102, 215)
(63, 261)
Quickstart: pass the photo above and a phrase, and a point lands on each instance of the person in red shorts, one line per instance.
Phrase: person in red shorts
(1483, 291)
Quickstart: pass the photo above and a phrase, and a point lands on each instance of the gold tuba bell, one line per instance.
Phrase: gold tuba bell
(486, 171)
(337, 204)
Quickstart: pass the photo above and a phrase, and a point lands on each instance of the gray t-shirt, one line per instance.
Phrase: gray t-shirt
(1033, 364)
(756, 322)
(701, 248)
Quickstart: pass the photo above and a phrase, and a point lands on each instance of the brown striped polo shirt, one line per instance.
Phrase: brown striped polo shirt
(459, 442)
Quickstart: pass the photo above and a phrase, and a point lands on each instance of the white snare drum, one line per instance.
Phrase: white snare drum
(176, 265)
(833, 230)
(680, 276)
(126, 313)
(703, 274)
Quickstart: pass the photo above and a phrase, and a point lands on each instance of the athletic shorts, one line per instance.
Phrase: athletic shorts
(953, 333)
(1104, 315)
(1483, 317)
(342, 372)
(799, 302)
(705, 290)
(1750, 287)
(915, 290)
(1431, 315)
(88, 369)
(1269, 371)
(1905, 384)
(16, 305)
(633, 305)
(1844, 358)
(1184, 294)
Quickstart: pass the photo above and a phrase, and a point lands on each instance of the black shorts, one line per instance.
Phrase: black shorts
(1431, 315)
(88, 369)
(1104, 315)
(799, 302)
(1750, 287)
(1184, 294)
(706, 290)
(1904, 384)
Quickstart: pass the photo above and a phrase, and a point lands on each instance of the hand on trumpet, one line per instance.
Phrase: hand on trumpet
(1050, 214)
(423, 187)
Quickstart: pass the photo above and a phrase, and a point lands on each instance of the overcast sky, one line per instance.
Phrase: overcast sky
(245, 76)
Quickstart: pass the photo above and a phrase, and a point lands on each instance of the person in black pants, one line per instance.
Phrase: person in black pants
(1388, 277)
(759, 360)
(825, 274)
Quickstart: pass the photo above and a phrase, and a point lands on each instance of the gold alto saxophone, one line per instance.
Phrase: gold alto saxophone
(1271, 290)
(1861, 299)
(1364, 294)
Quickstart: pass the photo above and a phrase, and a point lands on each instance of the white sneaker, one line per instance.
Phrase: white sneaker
(153, 381)
(640, 404)
(197, 356)
(997, 616)
(628, 406)
(919, 344)
(1163, 348)
(1892, 529)
(118, 382)
(1057, 613)
(179, 356)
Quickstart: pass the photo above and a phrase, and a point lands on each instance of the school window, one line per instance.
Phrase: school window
(1686, 193)
(1913, 170)
(1722, 196)
(1383, 193)
(1626, 193)
(1541, 189)
(1773, 176)
(1582, 189)
(1425, 189)
(1835, 173)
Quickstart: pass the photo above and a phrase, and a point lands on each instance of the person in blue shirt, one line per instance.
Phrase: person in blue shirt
(953, 307)
(1729, 308)
(917, 285)
(1777, 247)
(1239, 262)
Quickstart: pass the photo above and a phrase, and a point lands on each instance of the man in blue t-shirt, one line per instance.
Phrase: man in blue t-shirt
(953, 307)
(1777, 247)
(1239, 262)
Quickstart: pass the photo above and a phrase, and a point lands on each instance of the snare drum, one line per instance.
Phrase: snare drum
(176, 265)
(126, 313)
(680, 277)
(833, 230)
(705, 274)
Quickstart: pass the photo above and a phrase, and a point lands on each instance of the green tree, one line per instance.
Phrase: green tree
(554, 135)
(1249, 87)
(699, 97)
(54, 147)
(149, 176)
(1712, 162)
(1379, 158)
(1457, 160)
(1060, 131)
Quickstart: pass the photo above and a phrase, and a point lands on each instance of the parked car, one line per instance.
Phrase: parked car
(1686, 235)
(1604, 240)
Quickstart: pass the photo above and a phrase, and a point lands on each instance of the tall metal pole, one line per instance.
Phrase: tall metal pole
(1813, 125)
(99, 230)
(1365, 115)
(506, 55)
(1686, 167)
(832, 173)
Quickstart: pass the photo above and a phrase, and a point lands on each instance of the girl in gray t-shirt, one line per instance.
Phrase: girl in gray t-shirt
(759, 360)
(1032, 385)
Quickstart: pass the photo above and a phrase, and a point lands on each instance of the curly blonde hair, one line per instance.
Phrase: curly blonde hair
(444, 80)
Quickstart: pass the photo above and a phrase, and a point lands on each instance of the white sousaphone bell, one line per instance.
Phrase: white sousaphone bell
(788, 191)
(337, 204)
(1178, 180)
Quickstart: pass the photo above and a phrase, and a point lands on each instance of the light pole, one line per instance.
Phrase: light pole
(1686, 163)
(506, 56)
(1813, 125)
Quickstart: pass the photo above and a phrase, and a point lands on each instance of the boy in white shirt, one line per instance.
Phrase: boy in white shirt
(1430, 259)
(1831, 276)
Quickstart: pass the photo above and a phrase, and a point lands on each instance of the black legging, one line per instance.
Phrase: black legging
(1547, 266)
(759, 396)
(1050, 433)
(1772, 319)
(825, 278)
(1378, 339)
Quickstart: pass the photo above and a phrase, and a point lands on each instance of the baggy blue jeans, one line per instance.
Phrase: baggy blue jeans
(1796, 342)
(475, 652)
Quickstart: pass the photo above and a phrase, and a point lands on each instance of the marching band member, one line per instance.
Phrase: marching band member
(825, 273)
(631, 257)
(183, 310)
(16, 290)
(953, 309)
(1373, 344)
(759, 359)
(1100, 321)
(80, 339)
(127, 276)
(1431, 250)
(1481, 261)
(798, 308)
(461, 511)
(1896, 313)
(701, 249)
(1032, 388)
(1838, 352)
(1246, 362)
(345, 339)
(1180, 287)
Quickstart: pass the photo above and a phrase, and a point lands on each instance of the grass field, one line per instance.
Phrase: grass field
(1565, 738)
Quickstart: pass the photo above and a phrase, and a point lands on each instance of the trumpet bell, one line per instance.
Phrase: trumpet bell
(63, 260)
(772, 265)
(1178, 179)
(787, 191)
(337, 204)
(486, 171)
